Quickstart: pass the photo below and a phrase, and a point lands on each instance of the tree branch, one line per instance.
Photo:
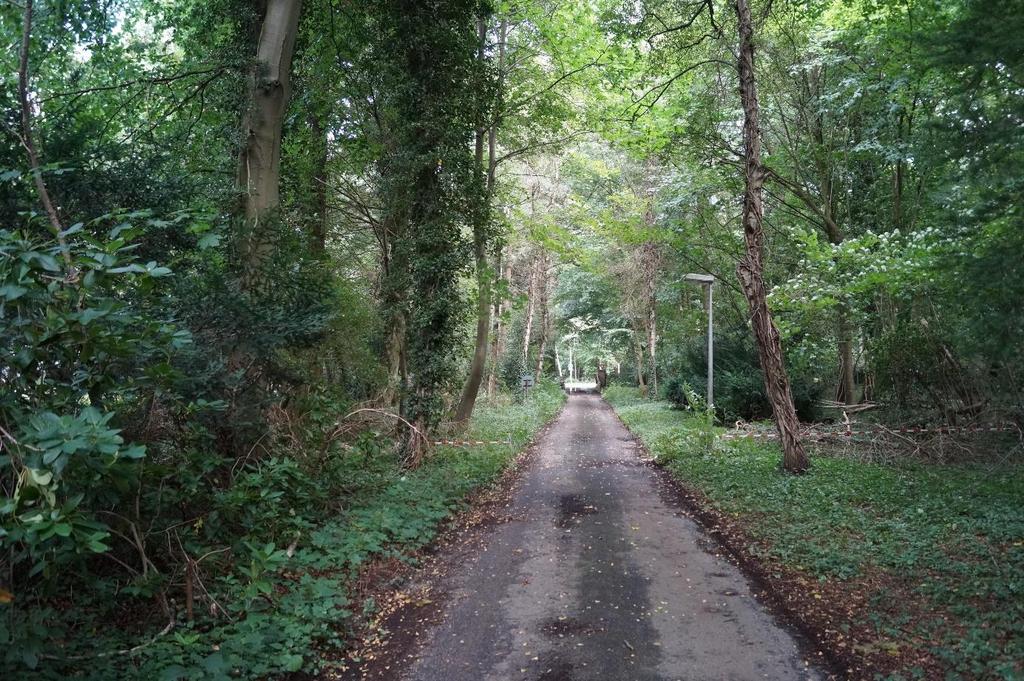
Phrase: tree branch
(150, 80)
(30, 147)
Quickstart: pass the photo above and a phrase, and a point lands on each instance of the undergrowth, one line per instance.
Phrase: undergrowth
(280, 593)
(940, 549)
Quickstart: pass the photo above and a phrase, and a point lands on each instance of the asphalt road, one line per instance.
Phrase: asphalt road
(598, 575)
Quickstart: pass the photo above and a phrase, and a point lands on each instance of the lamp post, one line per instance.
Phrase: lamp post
(708, 281)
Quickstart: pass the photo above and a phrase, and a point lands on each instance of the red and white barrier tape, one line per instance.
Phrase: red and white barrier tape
(942, 430)
(470, 443)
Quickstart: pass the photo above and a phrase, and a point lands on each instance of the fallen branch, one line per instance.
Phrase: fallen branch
(418, 441)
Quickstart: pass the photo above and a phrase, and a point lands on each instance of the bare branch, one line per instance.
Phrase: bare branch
(147, 80)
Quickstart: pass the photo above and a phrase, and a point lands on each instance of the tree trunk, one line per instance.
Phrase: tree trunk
(652, 344)
(259, 163)
(640, 380)
(498, 341)
(846, 392)
(471, 389)
(467, 401)
(395, 361)
(318, 190)
(652, 314)
(531, 304)
(751, 267)
(846, 389)
(394, 318)
(544, 319)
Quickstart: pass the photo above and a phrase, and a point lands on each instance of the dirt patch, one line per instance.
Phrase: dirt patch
(830, 615)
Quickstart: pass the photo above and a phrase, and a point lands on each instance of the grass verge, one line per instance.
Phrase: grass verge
(904, 571)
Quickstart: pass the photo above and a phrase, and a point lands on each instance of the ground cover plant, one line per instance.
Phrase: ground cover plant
(935, 552)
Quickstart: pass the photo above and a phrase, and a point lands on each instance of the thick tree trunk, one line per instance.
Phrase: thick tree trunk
(259, 163)
(394, 319)
(751, 267)
(395, 361)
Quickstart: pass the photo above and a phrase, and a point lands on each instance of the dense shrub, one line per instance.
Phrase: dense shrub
(739, 384)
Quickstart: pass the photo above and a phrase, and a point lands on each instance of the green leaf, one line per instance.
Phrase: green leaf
(12, 292)
(73, 229)
(211, 240)
(46, 261)
(291, 662)
(174, 673)
(216, 663)
(133, 452)
(89, 314)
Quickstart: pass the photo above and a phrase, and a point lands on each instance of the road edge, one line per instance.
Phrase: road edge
(727, 533)
(409, 593)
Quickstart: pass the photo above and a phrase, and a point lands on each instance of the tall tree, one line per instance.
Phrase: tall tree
(486, 175)
(751, 267)
(427, 184)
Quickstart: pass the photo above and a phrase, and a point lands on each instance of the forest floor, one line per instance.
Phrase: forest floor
(590, 567)
(903, 570)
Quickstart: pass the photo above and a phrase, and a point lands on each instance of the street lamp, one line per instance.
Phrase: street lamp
(707, 281)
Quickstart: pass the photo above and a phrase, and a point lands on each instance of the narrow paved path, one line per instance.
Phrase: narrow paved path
(598, 575)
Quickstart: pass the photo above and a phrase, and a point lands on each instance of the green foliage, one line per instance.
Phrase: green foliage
(739, 384)
(282, 609)
(72, 345)
(949, 535)
(429, 184)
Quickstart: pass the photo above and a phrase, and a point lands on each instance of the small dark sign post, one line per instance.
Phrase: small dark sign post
(526, 380)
